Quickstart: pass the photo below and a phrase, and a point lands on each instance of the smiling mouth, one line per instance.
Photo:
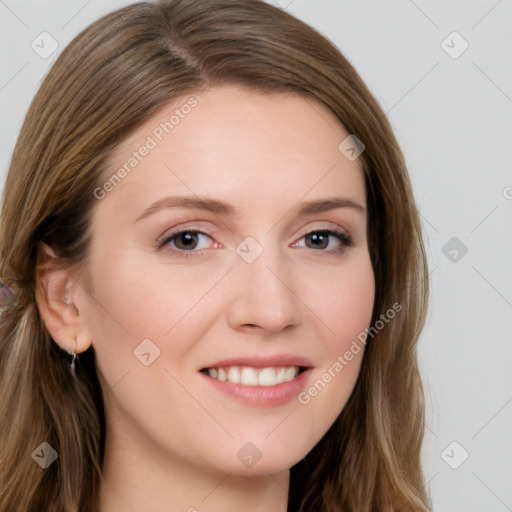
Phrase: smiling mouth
(249, 376)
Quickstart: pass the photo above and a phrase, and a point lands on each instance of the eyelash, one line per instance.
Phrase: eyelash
(345, 239)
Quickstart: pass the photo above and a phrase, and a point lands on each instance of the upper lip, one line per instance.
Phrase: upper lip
(261, 361)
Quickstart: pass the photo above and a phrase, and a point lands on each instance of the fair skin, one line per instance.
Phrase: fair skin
(174, 435)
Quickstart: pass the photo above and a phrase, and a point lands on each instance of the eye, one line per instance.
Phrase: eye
(188, 241)
(326, 240)
(191, 241)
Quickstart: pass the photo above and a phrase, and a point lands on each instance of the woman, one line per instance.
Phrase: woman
(220, 276)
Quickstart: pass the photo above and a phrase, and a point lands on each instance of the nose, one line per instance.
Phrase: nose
(263, 295)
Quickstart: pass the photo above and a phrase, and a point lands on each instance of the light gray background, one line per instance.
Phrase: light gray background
(453, 118)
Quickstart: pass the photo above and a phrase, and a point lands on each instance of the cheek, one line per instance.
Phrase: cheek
(345, 308)
(133, 302)
(343, 301)
(152, 291)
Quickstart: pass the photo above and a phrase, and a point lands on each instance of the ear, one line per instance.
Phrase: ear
(55, 288)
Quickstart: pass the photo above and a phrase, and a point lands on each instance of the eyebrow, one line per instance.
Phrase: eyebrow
(223, 208)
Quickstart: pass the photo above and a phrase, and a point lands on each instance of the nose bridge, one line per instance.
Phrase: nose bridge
(264, 288)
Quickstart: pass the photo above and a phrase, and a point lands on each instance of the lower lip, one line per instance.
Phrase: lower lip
(262, 396)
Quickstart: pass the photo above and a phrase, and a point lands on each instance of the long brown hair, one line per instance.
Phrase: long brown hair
(114, 76)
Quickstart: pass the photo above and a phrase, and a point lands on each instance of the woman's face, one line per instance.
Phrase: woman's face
(232, 247)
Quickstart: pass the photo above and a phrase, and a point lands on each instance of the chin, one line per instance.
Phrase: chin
(260, 458)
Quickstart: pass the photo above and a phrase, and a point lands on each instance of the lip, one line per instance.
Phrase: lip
(262, 396)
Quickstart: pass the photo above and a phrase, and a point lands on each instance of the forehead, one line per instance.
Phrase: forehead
(231, 140)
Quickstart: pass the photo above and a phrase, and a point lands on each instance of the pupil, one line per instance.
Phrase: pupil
(186, 241)
(319, 240)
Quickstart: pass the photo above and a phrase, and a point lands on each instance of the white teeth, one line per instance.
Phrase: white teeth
(234, 375)
(249, 376)
(267, 377)
(289, 374)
